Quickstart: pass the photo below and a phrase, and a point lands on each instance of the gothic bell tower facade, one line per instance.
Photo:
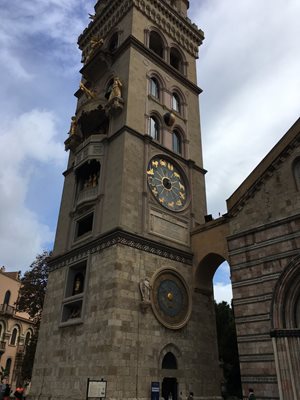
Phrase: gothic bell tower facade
(121, 304)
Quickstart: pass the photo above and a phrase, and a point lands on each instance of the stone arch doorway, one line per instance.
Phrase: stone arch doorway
(169, 372)
(285, 331)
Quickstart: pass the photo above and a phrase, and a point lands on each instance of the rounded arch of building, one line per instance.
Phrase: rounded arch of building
(153, 29)
(115, 33)
(169, 348)
(152, 73)
(16, 332)
(285, 306)
(28, 335)
(175, 89)
(176, 50)
(205, 271)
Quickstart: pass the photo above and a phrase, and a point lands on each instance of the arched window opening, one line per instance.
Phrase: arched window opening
(296, 171)
(27, 338)
(169, 361)
(176, 59)
(156, 44)
(176, 103)
(154, 88)
(14, 337)
(154, 128)
(7, 297)
(176, 142)
(114, 42)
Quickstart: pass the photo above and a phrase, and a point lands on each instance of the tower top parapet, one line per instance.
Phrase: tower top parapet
(109, 13)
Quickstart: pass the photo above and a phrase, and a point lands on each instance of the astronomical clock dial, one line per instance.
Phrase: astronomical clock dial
(170, 300)
(167, 184)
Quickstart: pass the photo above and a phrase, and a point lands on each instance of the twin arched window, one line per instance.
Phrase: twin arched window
(157, 45)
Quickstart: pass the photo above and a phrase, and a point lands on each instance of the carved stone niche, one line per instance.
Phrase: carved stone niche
(99, 62)
(93, 122)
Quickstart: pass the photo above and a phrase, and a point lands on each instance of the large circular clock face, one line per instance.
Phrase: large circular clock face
(170, 299)
(167, 184)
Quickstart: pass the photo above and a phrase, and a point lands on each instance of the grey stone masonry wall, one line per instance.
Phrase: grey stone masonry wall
(117, 341)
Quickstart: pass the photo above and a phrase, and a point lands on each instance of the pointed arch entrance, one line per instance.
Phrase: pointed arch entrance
(168, 364)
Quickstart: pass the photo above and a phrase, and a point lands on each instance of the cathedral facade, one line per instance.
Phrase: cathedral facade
(129, 305)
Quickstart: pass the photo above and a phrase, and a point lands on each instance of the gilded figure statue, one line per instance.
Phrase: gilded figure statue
(73, 126)
(88, 92)
(116, 89)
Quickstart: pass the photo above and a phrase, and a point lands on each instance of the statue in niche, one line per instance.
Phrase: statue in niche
(116, 89)
(88, 92)
(73, 126)
(145, 289)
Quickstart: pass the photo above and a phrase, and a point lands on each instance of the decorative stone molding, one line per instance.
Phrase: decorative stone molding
(252, 318)
(121, 238)
(187, 35)
(252, 300)
(259, 379)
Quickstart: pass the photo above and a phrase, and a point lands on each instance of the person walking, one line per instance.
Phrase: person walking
(251, 395)
(7, 392)
(19, 393)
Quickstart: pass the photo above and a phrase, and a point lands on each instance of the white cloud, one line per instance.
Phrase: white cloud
(249, 69)
(222, 292)
(28, 142)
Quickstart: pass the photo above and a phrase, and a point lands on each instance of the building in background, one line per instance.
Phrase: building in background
(16, 328)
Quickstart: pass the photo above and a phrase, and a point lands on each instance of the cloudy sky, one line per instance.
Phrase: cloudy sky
(249, 69)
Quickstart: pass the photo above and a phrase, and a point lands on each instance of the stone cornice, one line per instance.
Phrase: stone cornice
(120, 237)
(180, 29)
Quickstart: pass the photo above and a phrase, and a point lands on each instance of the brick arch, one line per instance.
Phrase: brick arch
(286, 298)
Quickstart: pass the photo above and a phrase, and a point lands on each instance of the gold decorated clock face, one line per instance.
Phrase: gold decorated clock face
(167, 184)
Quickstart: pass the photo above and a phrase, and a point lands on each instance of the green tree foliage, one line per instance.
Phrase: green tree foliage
(33, 287)
(228, 349)
(31, 300)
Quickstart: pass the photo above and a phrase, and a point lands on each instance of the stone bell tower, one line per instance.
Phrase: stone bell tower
(121, 302)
